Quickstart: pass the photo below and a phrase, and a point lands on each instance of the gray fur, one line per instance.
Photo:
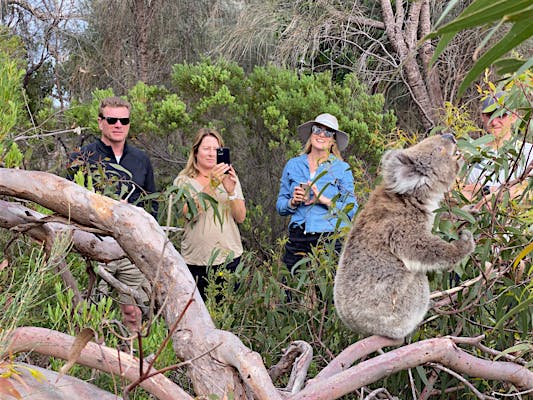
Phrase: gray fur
(381, 286)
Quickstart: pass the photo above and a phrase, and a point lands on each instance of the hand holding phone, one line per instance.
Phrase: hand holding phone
(305, 186)
(223, 156)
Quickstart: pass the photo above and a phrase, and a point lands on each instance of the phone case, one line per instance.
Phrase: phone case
(223, 155)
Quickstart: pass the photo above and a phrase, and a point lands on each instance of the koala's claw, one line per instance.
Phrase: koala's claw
(467, 241)
(471, 209)
(466, 236)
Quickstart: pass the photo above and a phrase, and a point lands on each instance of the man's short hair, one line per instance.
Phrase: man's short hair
(113, 102)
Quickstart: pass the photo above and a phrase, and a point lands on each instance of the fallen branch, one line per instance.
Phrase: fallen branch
(52, 343)
(48, 388)
(134, 229)
(98, 248)
(353, 353)
(440, 350)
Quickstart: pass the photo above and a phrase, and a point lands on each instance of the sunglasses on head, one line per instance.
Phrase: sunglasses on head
(113, 120)
(316, 130)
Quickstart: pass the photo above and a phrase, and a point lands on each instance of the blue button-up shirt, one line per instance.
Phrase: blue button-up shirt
(333, 178)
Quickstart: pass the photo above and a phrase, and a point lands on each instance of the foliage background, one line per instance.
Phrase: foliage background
(257, 108)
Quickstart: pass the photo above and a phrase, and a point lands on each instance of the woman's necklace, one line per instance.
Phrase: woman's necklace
(202, 174)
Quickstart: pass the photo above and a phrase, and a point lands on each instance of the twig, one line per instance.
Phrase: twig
(456, 289)
(426, 392)
(412, 384)
(459, 377)
(76, 130)
(146, 375)
(514, 394)
(374, 393)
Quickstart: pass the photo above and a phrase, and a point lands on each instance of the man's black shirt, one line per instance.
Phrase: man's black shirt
(134, 160)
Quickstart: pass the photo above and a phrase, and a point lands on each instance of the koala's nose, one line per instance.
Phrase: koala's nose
(449, 136)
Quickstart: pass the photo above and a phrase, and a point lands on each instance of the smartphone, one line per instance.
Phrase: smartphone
(223, 156)
(305, 186)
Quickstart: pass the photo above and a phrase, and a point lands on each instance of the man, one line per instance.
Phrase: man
(483, 178)
(128, 171)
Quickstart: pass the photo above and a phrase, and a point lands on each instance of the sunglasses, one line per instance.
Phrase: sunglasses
(113, 120)
(491, 114)
(317, 130)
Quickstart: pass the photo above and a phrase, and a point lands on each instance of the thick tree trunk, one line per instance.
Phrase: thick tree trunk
(138, 233)
(404, 41)
(143, 12)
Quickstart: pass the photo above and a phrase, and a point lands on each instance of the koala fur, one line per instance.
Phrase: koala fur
(381, 286)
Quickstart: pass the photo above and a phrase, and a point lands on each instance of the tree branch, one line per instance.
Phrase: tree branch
(441, 350)
(133, 228)
(52, 343)
(47, 389)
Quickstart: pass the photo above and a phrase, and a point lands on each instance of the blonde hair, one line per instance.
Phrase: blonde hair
(334, 149)
(191, 168)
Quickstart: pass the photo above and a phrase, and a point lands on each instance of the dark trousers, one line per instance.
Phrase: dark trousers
(199, 273)
(300, 243)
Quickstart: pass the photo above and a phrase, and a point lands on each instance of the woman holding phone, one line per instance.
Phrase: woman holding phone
(314, 187)
(207, 239)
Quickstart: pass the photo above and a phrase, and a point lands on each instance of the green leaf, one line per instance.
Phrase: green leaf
(443, 42)
(526, 66)
(508, 65)
(522, 347)
(479, 15)
(448, 8)
(483, 140)
(464, 215)
(521, 15)
(515, 310)
(519, 32)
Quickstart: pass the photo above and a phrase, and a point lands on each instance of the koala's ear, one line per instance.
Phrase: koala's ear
(399, 172)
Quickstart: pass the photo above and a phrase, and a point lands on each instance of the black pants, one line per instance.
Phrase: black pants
(199, 273)
(300, 243)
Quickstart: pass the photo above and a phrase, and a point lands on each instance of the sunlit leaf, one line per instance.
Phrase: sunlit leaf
(528, 249)
(482, 12)
(520, 32)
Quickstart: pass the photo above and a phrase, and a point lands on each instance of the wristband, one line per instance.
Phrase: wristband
(234, 197)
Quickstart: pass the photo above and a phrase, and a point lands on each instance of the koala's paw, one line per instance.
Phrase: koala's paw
(467, 240)
(471, 209)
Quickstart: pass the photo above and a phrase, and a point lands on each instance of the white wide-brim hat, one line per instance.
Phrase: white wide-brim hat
(329, 121)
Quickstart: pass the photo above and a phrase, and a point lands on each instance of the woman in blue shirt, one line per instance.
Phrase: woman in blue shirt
(315, 186)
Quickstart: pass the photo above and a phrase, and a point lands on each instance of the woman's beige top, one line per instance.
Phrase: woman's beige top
(205, 234)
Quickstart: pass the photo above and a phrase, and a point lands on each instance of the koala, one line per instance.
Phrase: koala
(381, 287)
